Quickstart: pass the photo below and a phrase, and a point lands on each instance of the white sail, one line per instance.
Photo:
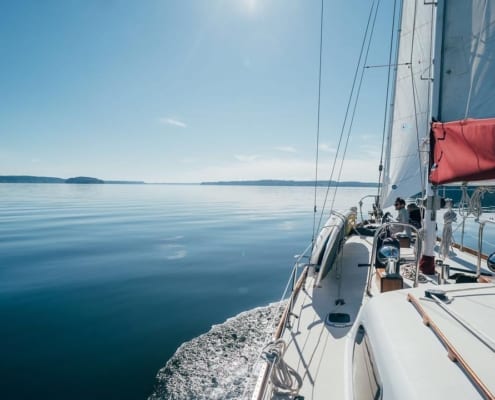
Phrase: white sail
(466, 83)
(405, 173)
(464, 100)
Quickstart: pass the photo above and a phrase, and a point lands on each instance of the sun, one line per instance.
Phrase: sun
(250, 6)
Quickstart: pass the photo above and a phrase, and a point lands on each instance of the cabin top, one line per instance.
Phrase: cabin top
(407, 356)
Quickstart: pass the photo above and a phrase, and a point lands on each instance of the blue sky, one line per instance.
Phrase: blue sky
(185, 91)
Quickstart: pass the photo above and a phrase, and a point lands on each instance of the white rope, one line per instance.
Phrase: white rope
(471, 205)
(448, 218)
(284, 378)
(275, 311)
(409, 272)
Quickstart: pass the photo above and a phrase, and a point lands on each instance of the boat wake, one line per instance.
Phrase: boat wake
(222, 363)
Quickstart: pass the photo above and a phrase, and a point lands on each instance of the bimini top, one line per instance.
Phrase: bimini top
(410, 360)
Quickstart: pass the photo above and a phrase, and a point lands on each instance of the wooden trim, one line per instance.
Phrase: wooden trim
(452, 352)
(281, 325)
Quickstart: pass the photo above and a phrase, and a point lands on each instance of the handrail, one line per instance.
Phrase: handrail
(295, 288)
(480, 244)
(375, 245)
(453, 354)
(281, 327)
(361, 203)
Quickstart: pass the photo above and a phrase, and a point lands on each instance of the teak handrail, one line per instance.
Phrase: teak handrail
(281, 326)
(452, 352)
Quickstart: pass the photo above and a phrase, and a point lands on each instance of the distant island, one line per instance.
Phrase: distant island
(83, 179)
(49, 179)
(275, 182)
(261, 182)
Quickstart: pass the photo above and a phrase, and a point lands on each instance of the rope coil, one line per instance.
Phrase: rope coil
(284, 378)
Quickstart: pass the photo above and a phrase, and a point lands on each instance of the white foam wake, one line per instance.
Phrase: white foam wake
(222, 363)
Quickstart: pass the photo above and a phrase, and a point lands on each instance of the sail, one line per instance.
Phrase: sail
(405, 172)
(466, 100)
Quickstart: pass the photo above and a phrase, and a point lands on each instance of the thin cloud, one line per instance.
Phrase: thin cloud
(286, 149)
(326, 148)
(246, 158)
(173, 122)
(357, 169)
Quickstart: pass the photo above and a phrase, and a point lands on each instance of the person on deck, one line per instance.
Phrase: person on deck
(402, 216)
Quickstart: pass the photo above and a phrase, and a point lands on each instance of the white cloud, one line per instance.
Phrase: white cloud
(173, 122)
(246, 158)
(260, 168)
(255, 167)
(287, 149)
(370, 151)
(326, 148)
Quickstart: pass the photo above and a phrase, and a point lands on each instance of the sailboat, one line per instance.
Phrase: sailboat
(375, 312)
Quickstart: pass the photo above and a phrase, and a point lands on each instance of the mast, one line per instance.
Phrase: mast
(427, 263)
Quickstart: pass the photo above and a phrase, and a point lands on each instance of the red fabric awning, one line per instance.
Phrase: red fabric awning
(463, 151)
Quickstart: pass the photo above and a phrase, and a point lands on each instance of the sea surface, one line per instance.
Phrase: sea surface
(101, 284)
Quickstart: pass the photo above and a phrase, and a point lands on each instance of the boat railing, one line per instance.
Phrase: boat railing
(379, 233)
(294, 284)
(361, 205)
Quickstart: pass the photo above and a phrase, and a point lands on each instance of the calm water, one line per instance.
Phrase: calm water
(99, 284)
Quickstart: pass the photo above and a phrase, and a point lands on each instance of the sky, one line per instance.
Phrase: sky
(187, 90)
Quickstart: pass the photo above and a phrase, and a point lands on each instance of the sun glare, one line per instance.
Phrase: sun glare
(250, 6)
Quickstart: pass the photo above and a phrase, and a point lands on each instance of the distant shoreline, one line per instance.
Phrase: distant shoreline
(49, 179)
(275, 182)
(261, 182)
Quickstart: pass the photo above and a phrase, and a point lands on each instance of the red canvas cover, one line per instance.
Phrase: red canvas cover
(463, 151)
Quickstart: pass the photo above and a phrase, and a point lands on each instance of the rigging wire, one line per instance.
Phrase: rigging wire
(347, 111)
(318, 126)
(415, 99)
(413, 88)
(385, 116)
(390, 62)
(356, 99)
(426, 140)
(468, 104)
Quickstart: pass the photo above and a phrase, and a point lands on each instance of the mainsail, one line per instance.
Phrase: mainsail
(406, 158)
(464, 140)
(463, 76)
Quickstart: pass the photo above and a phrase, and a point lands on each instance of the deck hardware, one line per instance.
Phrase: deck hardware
(338, 320)
(437, 294)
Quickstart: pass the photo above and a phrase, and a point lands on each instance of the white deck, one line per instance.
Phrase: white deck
(409, 354)
(322, 354)
(315, 349)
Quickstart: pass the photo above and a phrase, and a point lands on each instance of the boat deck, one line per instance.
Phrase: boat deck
(320, 352)
(315, 349)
